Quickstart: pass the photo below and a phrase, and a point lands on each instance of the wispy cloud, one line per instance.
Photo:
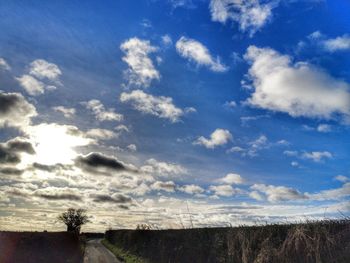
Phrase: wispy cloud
(195, 51)
(160, 106)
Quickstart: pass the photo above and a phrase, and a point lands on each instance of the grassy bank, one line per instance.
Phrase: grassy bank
(121, 254)
(326, 241)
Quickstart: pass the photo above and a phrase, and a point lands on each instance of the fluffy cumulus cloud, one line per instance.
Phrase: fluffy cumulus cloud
(198, 53)
(223, 190)
(4, 65)
(232, 178)
(191, 189)
(43, 69)
(42, 76)
(298, 89)
(163, 169)
(276, 193)
(141, 71)
(15, 110)
(101, 113)
(160, 106)
(217, 138)
(339, 43)
(31, 85)
(67, 112)
(251, 15)
(101, 134)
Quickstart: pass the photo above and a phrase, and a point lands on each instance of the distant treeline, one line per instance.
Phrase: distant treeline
(325, 241)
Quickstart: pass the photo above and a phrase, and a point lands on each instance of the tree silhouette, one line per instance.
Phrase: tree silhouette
(74, 219)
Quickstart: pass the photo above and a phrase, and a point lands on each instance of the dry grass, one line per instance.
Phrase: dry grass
(326, 241)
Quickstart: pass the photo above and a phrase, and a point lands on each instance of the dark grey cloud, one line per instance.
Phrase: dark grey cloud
(10, 171)
(50, 168)
(20, 145)
(54, 197)
(115, 198)
(15, 110)
(9, 151)
(6, 156)
(98, 160)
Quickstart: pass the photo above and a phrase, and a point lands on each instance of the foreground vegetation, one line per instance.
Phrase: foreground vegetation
(43, 247)
(326, 241)
(121, 254)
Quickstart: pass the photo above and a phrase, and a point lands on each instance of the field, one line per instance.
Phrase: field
(327, 241)
(40, 247)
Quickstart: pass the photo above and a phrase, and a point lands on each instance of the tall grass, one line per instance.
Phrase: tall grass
(326, 241)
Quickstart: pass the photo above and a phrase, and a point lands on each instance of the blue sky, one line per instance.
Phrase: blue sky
(137, 109)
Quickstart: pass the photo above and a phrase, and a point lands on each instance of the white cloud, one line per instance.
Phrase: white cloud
(33, 86)
(298, 89)
(182, 3)
(42, 69)
(340, 43)
(255, 195)
(159, 106)
(236, 149)
(253, 147)
(141, 70)
(342, 178)
(132, 147)
(294, 164)
(278, 193)
(332, 194)
(167, 41)
(15, 110)
(230, 104)
(4, 65)
(324, 128)
(100, 111)
(337, 44)
(101, 134)
(163, 169)
(232, 178)
(122, 128)
(198, 53)
(317, 156)
(191, 189)
(223, 190)
(249, 14)
(67, 112)
(217, 138)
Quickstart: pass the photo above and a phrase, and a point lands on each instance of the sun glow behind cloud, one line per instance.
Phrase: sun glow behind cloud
(54, 143)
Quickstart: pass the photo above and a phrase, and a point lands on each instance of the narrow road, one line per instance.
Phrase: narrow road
(95, 252)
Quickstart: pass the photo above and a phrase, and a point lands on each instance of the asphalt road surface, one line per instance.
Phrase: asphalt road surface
(95, 252)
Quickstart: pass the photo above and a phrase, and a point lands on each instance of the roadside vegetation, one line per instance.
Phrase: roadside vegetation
(326, 241)
(121, 254)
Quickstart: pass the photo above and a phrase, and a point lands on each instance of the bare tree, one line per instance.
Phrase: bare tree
(74, 219)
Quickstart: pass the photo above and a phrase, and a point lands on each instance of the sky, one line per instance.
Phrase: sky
(174, 113)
